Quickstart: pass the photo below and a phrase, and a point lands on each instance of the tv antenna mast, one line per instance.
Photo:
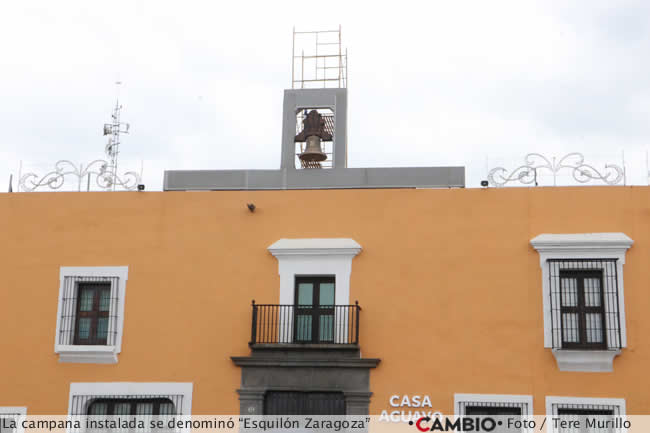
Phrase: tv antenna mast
(113, 130)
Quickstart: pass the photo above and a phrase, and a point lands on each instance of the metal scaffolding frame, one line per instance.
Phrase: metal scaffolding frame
(327, 63)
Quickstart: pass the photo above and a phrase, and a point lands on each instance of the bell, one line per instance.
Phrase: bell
(313, 151)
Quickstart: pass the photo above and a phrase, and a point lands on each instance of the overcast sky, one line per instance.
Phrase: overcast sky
(431, 83)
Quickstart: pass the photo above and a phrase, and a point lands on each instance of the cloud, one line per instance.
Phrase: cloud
(430, 83)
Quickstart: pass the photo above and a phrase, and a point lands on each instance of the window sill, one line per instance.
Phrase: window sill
(588, 361)
(87, 354)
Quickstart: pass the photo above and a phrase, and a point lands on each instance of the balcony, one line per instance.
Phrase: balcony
(335, 326)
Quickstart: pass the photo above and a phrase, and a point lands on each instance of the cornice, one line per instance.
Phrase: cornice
(549, 242)
(315, 247)
(248, 361)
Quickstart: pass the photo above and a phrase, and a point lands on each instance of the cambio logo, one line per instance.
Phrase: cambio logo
(482, 424)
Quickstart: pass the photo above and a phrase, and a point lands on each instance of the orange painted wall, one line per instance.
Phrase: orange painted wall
(449, 285)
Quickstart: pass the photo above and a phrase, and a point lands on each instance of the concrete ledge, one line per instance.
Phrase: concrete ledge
(87, 354)
(588, 361)
(247, 361)
(340, 178)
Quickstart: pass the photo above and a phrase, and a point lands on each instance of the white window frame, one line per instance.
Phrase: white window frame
(494, 398)
(105, 354)
(551, 400)
(305, 257)
(582, 246)
(134, 389)
(21, 411)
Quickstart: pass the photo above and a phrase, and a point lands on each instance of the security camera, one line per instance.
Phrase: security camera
(484, 183)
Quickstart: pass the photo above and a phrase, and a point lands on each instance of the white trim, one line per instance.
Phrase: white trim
(20, 410)
(297, 257)
(614, 243)
(494, 398)
(592, 361)
(92, 354)
(552, 399)
(134, 388)
(581, 246)
(315, 246)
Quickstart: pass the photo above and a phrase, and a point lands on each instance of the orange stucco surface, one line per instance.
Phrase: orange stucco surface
(449, 284)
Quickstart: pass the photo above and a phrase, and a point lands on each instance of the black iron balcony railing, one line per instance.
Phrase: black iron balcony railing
(305, 324)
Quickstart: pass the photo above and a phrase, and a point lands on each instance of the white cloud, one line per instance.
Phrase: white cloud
(431, 83)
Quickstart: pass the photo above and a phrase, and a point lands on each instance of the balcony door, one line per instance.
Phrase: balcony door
(314, 310)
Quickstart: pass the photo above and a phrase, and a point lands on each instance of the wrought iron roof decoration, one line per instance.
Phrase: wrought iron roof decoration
(105, 177)
(574, 162)
(103, 171)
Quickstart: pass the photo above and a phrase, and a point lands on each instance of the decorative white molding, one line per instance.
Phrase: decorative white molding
(315, 247)
(585, 360)
(582, 246)
(20, 410)
(493, 398)
(92, 354)
(606, 245)
(117, 389)
(298, 257)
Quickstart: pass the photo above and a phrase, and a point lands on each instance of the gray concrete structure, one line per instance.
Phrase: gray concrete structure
(380, 177)
(321, 367)
(298, 99)
(339, 176)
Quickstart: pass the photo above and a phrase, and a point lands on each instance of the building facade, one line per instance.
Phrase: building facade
(532, 297)
(318, 288)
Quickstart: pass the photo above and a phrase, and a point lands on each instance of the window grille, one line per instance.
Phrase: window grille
(69, 309)
(82, 404)
(6, 420)
(584, 304)
(304, 403)
(131, 406)
(579, 412)
(492, 408)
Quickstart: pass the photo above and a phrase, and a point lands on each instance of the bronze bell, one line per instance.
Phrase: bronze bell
(312, 133)
(313, 151)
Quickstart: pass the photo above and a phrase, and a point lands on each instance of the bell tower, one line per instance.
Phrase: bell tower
(315, 135)
(314, 120)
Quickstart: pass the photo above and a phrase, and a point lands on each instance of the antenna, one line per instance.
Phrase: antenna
(113, 130)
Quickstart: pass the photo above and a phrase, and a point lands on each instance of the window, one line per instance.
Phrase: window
(304, 403)
(92, 313)
(90, 316)
(10, 419)
(131, 406)
(314, 314)
(583, 298)
(600, 411)
(582, 309)
(495, 405)
(300, 257)
(125, 398)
